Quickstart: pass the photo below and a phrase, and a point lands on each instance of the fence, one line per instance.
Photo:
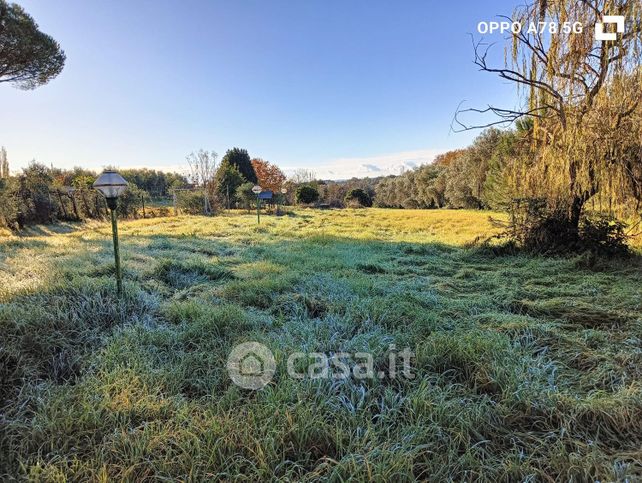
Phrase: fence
(20, 206)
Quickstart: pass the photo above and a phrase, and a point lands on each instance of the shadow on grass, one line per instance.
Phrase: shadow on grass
(50, 230)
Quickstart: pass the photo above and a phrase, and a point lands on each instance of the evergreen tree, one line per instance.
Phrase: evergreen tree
(28, 57)
(226, 181)
(306, 194)
(245, 195)
(241, 159)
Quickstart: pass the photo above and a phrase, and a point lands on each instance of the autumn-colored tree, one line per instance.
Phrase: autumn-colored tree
(270, 176)
(445, 159)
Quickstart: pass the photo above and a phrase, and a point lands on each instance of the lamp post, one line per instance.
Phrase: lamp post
(257, 190)
(283, 192)
(112, 185)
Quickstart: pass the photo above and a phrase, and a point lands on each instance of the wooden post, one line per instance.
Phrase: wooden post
(84, 202)
(96, 202)
(62, 204)
(50, 209)
(73, 202)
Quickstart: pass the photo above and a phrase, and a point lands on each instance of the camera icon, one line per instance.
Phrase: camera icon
(251, 365)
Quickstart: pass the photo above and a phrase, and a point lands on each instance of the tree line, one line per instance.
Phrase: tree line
(42, 194)
(476, 177)
(227, 184)
(484, 175)
(45, 194)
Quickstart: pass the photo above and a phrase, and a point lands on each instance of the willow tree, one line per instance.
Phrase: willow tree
(584, 96)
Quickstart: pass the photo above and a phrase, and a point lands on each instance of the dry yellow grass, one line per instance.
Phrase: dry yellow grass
(452, 227)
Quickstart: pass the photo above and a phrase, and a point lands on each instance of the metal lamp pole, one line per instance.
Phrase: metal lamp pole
(112, 185)
(112, 204)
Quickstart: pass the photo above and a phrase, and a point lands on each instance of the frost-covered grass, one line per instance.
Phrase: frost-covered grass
(527, 367)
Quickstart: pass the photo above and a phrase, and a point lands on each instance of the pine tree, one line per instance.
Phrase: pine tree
(241, 159)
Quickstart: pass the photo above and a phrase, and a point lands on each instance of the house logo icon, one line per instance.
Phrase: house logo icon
(251, 365)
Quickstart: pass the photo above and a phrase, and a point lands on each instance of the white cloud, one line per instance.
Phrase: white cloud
(372, 166)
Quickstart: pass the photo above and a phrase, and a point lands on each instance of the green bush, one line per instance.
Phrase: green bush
(538, 227)
(604, 235)
(190, 202)
(358, 197)
(8, 203)
(245, 195)
(36, 206)
(306, 194)
(130, 202)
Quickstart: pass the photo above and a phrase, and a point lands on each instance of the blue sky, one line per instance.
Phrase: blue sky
(339, 87)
